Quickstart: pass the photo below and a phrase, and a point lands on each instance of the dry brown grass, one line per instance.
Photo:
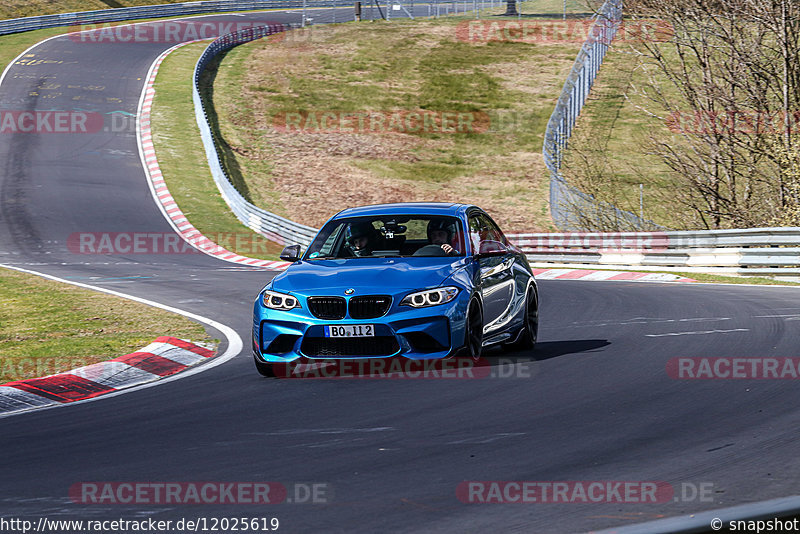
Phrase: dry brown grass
(310, 176)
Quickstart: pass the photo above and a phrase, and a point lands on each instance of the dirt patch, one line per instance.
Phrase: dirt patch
(410, 67)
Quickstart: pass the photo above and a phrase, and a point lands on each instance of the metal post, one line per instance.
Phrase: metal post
(304, 13)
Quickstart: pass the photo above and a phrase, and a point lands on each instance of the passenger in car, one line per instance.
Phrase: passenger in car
(362, 238)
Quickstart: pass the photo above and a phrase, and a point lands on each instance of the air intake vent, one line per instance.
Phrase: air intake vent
(370, 307)
(331, 308)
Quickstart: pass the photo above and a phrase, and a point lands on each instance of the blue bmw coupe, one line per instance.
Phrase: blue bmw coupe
(414, 280)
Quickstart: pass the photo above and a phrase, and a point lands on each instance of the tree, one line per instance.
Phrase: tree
(727, 82)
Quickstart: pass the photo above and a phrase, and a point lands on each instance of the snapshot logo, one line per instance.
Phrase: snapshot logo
(581, 491)
(157, 493)
(403, 368)
(166, 32)
(606, 242)
(733, 121)
(724, 368)
(164, 243)
(380, 122)
(561, 31)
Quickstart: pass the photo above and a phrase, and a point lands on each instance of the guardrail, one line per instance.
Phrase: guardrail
(754, 252)
(139, 12)
(272, 226)
(442, 7)
(571, 208)
(759, 251)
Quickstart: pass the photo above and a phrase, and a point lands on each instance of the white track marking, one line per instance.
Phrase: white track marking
(700, 332)
(235, 344)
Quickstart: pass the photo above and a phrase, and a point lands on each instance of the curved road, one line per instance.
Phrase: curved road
(593, 402)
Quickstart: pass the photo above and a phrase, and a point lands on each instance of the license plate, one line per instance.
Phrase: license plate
(350, 330)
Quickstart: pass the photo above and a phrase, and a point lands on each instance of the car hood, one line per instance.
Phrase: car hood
(366, 275)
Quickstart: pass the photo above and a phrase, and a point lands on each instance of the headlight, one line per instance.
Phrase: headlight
(279, 301)
(430, 297)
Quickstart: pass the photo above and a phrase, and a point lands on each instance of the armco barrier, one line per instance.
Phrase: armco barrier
(143, 12)
(268, 224)
(219, 6)
(759, 251)
(755, 252)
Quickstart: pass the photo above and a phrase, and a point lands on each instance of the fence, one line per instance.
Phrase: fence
(760, 251)
(434, 8)
(755, 251)
(570, 208)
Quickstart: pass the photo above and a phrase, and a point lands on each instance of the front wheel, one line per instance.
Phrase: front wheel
(473, 337)
(526, 339)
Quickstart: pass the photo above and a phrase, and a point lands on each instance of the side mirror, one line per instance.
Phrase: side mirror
(492, 248)
(291, 253)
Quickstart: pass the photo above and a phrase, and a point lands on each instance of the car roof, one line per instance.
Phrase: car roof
(405, 208)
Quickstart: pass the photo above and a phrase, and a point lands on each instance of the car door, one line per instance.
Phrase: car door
(495, 261)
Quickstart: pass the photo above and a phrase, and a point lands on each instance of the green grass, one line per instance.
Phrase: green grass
(401, 67)
(719, 279)
(557, 7)
(47, 327)
(612, 134)
(183, 160)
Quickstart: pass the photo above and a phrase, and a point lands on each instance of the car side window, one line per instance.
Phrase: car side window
(484, 235)
(493, 232)
(475, 233)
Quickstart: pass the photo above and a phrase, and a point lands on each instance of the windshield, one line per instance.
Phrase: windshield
(388, 236)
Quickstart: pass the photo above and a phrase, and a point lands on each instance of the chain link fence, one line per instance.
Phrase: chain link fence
(571, 208)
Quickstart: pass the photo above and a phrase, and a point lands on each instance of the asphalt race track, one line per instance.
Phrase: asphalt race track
(594, 402)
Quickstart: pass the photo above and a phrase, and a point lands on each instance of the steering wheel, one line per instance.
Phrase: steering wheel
(430, 250)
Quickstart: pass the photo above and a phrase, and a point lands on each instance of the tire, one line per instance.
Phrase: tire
(526, 337)
(473, 334)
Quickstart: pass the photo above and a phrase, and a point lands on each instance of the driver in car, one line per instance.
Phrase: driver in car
(440, 233)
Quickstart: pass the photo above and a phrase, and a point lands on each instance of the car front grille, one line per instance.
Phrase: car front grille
(370, 307)
(324, 347)
(332, 308)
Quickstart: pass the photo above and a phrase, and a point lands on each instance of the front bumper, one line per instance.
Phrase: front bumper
(414, 333)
